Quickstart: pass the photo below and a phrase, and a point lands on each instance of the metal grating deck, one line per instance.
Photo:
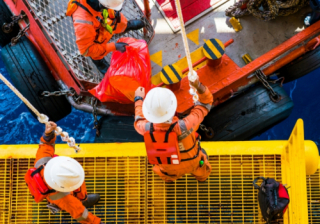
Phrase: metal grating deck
(60, 28)
(132, 193)
(313, 188)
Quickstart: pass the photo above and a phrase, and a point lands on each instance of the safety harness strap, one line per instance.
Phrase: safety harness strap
(86, 9)
(37, 171)
(183, 160)
(82, 6)
(168, 132)
(42, 161)
(151, 133)
(194, 144)
(114, 22)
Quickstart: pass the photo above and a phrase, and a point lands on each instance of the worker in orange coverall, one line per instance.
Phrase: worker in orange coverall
(66, 176)
(95, 22)
(157, 111)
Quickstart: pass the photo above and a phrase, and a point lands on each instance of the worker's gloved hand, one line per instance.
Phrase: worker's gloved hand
(198, 86)
(140, 92)
(50, 127)
(121, 47)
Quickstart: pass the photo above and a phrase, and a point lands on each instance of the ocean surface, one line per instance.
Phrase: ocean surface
(18, 126)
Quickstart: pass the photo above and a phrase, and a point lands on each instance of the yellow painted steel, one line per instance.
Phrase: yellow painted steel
(132, 193)
(313, 189)
(293, 165)
(171, 74)
(213, 49)
(235, 24)
(182, 63)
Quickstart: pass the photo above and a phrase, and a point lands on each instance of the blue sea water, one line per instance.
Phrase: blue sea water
(18, 126)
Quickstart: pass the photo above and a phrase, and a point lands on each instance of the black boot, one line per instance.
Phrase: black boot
(135, 24)
(102, 65)
(92, 199)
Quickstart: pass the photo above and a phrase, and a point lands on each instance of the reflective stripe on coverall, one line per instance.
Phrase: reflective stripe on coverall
(70, 201)
(186, 130)
(91, 37)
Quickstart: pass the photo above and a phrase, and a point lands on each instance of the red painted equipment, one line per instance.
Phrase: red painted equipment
(37, 187)
(223, 80)
(162, 147)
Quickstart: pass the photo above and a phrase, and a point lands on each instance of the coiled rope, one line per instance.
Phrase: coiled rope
(41, 117)
(271, 8)
(192, 75)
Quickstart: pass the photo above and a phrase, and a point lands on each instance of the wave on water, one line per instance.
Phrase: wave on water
(18, 126)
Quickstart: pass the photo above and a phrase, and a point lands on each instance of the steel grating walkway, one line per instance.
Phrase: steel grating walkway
(313, 189)
(131, 193)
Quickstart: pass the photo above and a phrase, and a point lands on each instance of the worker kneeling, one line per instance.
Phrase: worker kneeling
(95, 23)
(172, 144)
(60, 180)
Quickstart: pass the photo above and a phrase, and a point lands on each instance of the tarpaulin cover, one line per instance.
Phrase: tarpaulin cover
(126, 73)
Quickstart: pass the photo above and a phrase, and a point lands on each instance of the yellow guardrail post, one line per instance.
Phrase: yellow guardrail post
(294, 172)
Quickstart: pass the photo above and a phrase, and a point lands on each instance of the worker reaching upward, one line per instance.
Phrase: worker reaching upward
(172, 144)
(95, 22)
(60, 180)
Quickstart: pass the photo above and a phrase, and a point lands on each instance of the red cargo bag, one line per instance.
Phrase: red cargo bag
(37, 187)
(126, 73)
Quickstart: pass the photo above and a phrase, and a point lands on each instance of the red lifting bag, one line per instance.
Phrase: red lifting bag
(126, 73)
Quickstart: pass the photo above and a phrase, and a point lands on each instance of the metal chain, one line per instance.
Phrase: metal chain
(8, 27)
(21, 33)
(203, 128)
(208, 131)
(275, 97)
(58, 93)
(96, 123)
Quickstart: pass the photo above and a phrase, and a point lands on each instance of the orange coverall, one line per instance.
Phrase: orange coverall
(69, 202)
(91, 37)
(187, 127)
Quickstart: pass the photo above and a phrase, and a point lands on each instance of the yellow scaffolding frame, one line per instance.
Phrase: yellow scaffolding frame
(132, 193)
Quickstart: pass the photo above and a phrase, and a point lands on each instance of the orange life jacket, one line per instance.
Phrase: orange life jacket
(163, 147)
(37, 187)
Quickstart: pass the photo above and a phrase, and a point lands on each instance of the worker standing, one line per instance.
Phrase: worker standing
(95, 22)
(63, 177)
(154, 117)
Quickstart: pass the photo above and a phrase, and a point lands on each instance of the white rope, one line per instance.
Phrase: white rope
(192, 75)
(41, 117)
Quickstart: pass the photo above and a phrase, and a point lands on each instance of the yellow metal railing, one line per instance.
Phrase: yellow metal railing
(132, 193)
(313, 188)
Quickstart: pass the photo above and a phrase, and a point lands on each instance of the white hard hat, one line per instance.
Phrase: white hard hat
(112, 4)
(160, 105)
(63, 174)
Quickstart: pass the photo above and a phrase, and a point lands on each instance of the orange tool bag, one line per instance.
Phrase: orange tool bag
(162, 147)
(37, 187)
